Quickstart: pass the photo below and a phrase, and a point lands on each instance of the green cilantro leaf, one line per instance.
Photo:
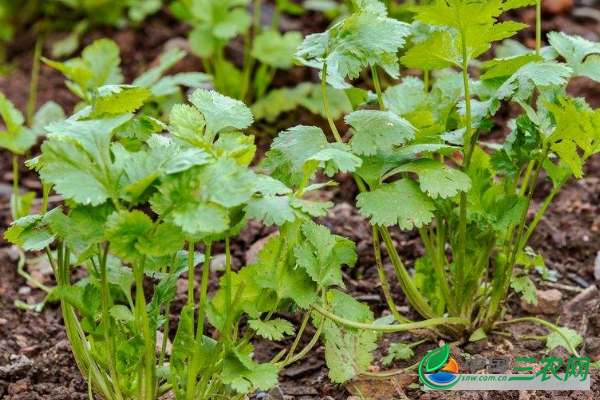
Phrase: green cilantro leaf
(124, 229)
(582, 55)
(365, 38)
(292, 149)
(400, 202)
(505, 67)
(274, 270)
(272, 48)
(220, 112)
(273, 329)
(18, 138)
(437, 179)
(554, 339)
(118, 99)
(574, 128)
(378, 130)
(397, 351)
(242, 379)
(323, 254)
(523, 284)
(271, 210)
(348, 352)
(98, 66)
(437, 52)
(540, 74)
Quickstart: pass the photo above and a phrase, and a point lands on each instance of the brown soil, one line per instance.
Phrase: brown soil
(568, 237)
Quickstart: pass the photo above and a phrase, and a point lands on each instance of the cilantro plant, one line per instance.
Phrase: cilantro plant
(134, 212)
(96, 79)
(76, 16)
(424, 166)
(215, 23)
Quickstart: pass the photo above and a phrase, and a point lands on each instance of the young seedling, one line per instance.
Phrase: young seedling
(216, 23)
(96, 79)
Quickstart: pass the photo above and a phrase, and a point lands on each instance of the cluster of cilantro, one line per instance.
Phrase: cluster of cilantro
(134, 195)
(422, 165)
(75, 16)
(266, 50)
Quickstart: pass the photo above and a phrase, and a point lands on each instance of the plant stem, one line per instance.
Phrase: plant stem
(526, 178)
(309, 346)
(228, 270)
(538, 27)
(298, 337)
(541, 212)
(438, 265)
(426, 78)
(256, 17)
(545, 323)
(462, 224)
(502, 292)
(16, 197)
(35, 74)
(377, 87)
(406, 283)
(108, 333)
(142, 318)
(45, 194)
(334, 129)
(408, 287)
(191, 382)
(203, 291)
(191, 267)
(382, 278)
(391, 328)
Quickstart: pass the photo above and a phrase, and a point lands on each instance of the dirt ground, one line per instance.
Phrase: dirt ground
(34, 346)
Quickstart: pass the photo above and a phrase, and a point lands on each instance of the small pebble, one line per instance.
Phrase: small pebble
(24, 290)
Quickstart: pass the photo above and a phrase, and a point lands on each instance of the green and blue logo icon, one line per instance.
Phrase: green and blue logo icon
(433, 361)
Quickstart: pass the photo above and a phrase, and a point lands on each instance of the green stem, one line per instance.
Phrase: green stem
(191, 382)
(45, 195)
(191, 267)
(440, 274)
(426, 78)
(203, 292)
(377, 87)
(406, 283)
(30, 279)
(526, 178)
(142, 318)
(256, 17)
(541, 212)
(35, 75)
(538, 27)
(518, 244)
(462, 224)
(309, 346)
(298, 337)
(334, 130)
(382, 278)
(214, 360)
(109, 337)
(276, 17)
(16, 197)
(391, 328)
(545, 323)
(228, 270)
